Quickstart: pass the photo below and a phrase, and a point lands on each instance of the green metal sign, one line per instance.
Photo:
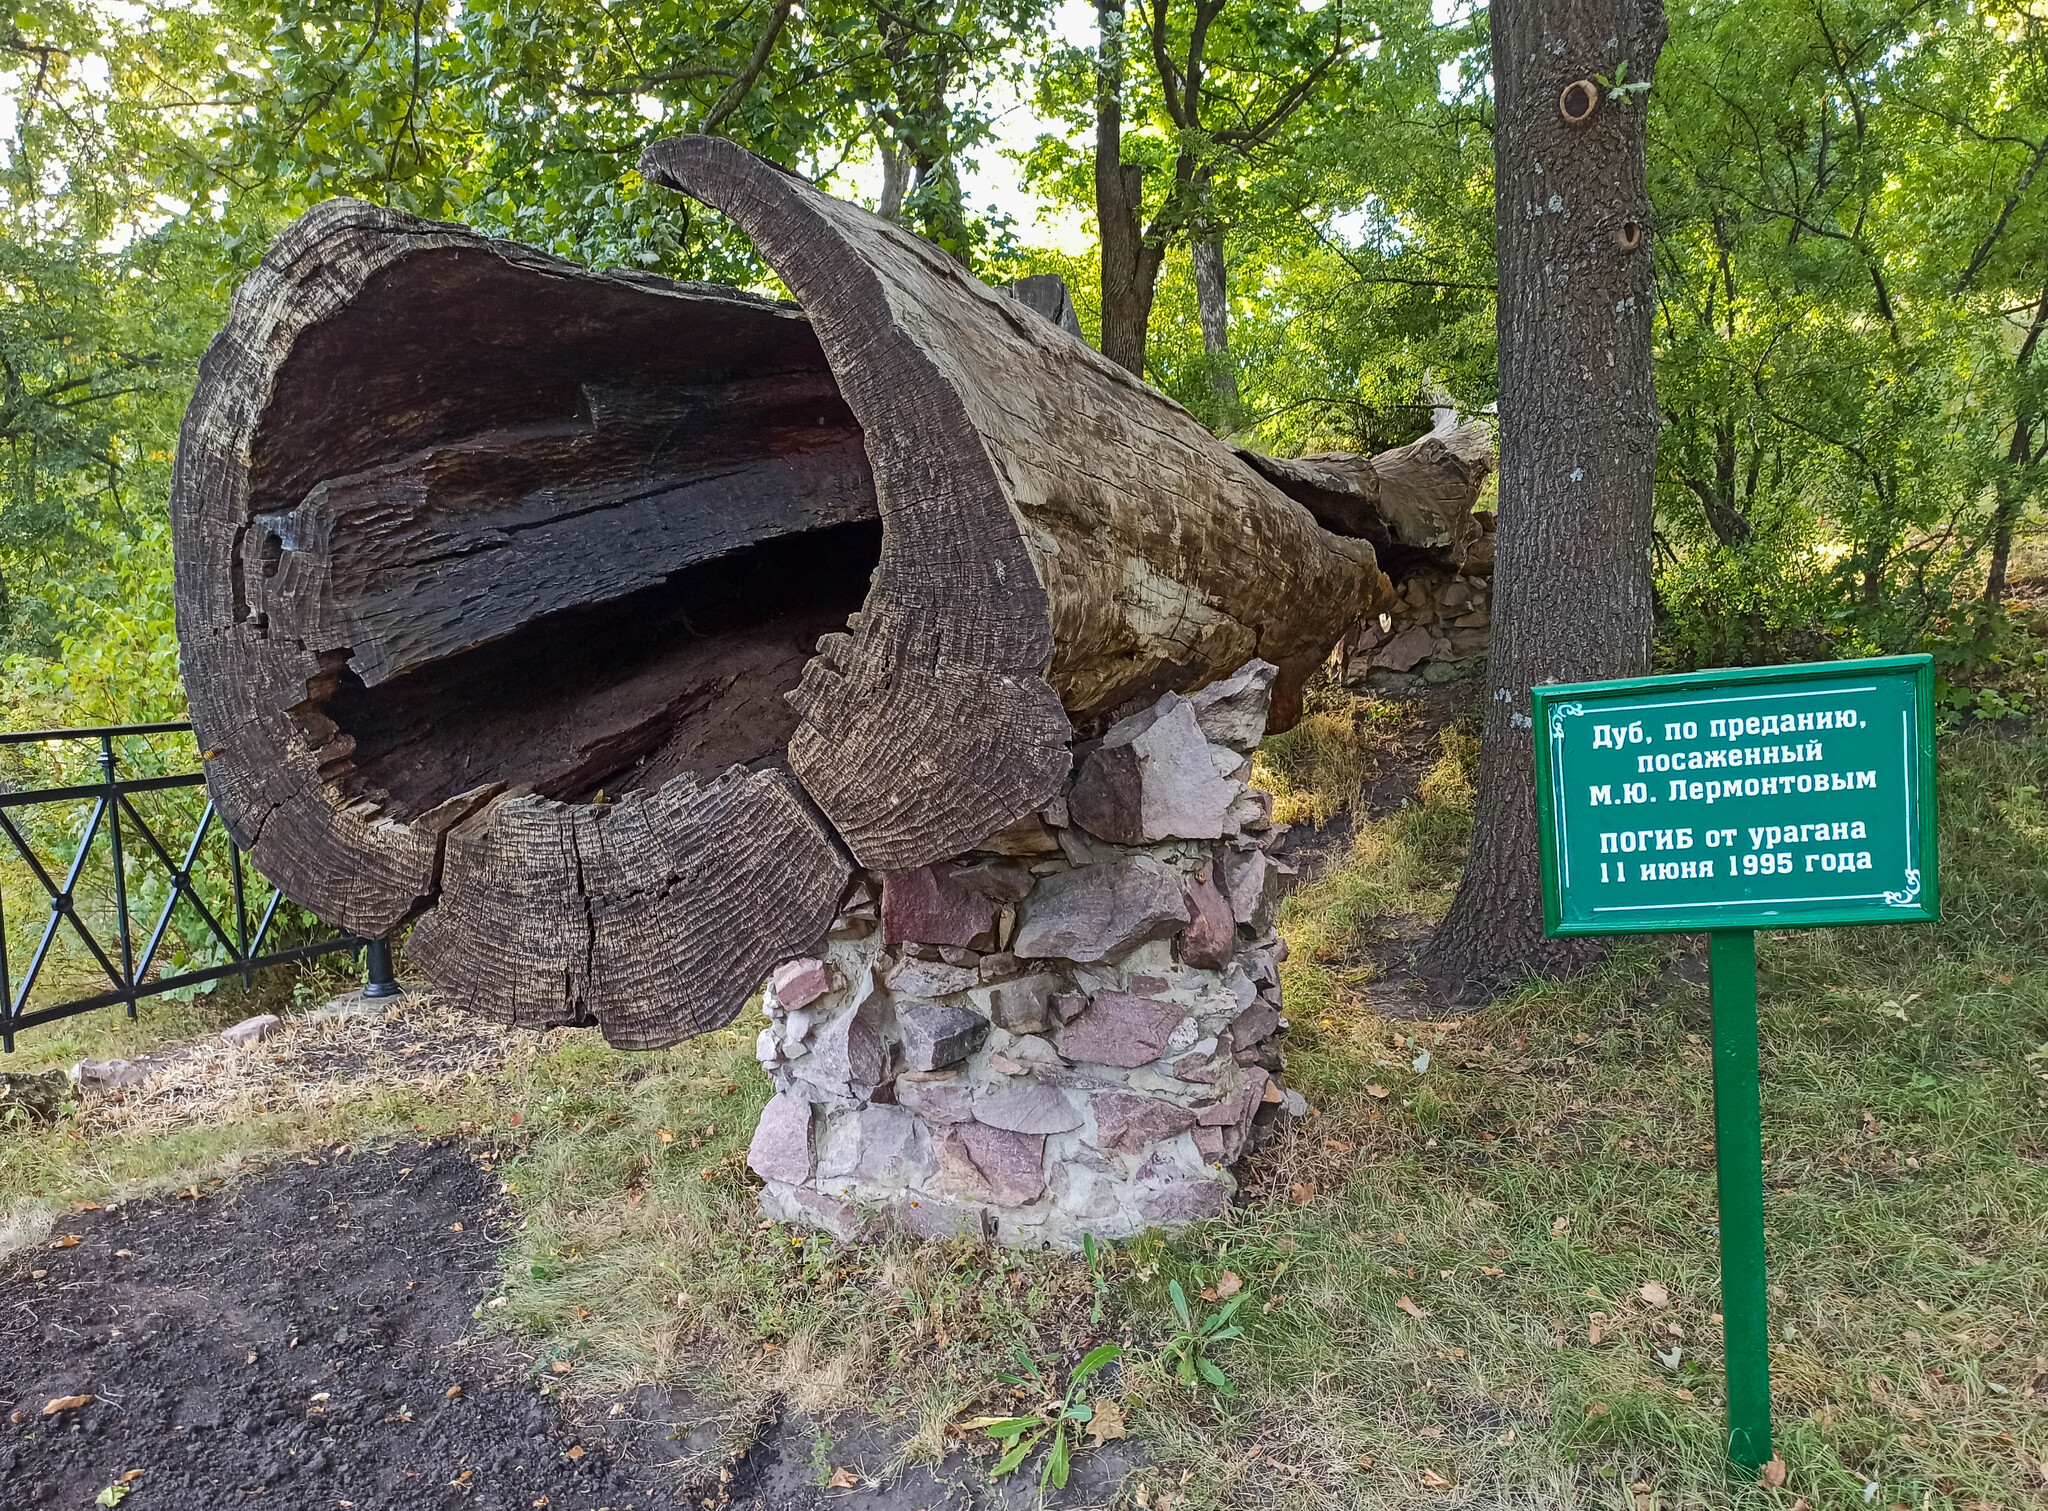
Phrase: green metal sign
(1770, 797)
(1728, 801)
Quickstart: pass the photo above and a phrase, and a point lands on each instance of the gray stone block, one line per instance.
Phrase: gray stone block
(936, 1035)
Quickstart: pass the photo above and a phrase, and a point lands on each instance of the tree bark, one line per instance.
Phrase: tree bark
(896, 170)
(499, 582)
(1130, 267)
(1212, 301)
(1578, 439)
(2019, 455)
(2006, 516)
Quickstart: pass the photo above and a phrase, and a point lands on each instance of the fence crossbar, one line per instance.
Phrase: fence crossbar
(115, 820)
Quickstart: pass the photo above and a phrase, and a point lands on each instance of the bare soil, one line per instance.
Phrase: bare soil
(308, 1336)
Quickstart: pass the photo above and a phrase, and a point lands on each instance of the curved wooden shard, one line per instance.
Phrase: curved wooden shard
(499, 582)
(1059, 539)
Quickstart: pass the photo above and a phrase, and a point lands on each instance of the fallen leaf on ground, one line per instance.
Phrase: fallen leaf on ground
(1365, 1461)
(131, 1476)
(1559, 1226)
(635, 1196)
(561, 1366)
(1107, 1423)
(1338, 1146)
(1492, 1270)
(455, 1227)
(576, 1452)
(666, 1136)
(1301, 1193)
(69, 1241)
(1407, 1305)
(453, 1392)
(1378, 1093)
(1597, 1409)
(1228, 1285)
(1431, 1480)
(842, 1479)
(1654, 1293)
(66, 1403)
(1773, 1473)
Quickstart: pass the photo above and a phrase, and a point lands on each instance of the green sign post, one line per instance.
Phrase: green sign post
(1776, 797)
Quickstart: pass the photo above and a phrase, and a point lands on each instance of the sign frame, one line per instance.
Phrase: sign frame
(1553, 702)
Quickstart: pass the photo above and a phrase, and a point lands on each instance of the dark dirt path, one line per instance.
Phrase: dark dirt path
(305, 1337)
(292, 1339)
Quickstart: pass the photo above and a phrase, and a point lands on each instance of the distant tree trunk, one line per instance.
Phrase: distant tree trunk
(896, 167)
(1130, 268)
(1578, 415)
(1212, 298)
(2019, 455)
(2011, 492)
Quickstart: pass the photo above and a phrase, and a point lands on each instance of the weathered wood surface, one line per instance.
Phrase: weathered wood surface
(1419, 495)
(1059, 542)
(597, 625)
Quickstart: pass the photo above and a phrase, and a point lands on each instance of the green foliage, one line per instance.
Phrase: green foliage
(1848, 267)
(1849, 206)
(1187, 1352)
(1057, 1422)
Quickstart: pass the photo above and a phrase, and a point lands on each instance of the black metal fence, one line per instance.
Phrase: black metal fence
(153, 902)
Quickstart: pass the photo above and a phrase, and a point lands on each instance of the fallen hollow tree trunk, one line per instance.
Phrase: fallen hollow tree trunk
(498, 582)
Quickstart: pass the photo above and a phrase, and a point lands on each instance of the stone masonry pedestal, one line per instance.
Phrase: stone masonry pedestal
(1070, 1030)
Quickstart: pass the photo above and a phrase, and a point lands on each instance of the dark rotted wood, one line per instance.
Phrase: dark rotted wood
(407, 563)
(403, 412)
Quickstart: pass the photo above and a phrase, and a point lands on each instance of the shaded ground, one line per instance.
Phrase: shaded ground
(307, 1337)
(1399, 761)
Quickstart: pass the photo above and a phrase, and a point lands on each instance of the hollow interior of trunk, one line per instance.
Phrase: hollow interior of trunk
(569, 544)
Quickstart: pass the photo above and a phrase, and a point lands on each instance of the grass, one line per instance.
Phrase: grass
(1556, 1156)
(1320, 768)
(1444, 1271)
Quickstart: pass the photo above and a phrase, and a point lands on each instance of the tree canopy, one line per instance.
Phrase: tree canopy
(1850, 220)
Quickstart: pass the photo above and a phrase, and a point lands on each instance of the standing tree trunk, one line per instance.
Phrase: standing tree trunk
(1130, 268)
(1578, 437)
(2011, 492)
(1212, 299)
(896, 168)
(2012, 488)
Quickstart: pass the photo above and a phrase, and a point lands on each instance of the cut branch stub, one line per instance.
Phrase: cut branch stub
(499, 583)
